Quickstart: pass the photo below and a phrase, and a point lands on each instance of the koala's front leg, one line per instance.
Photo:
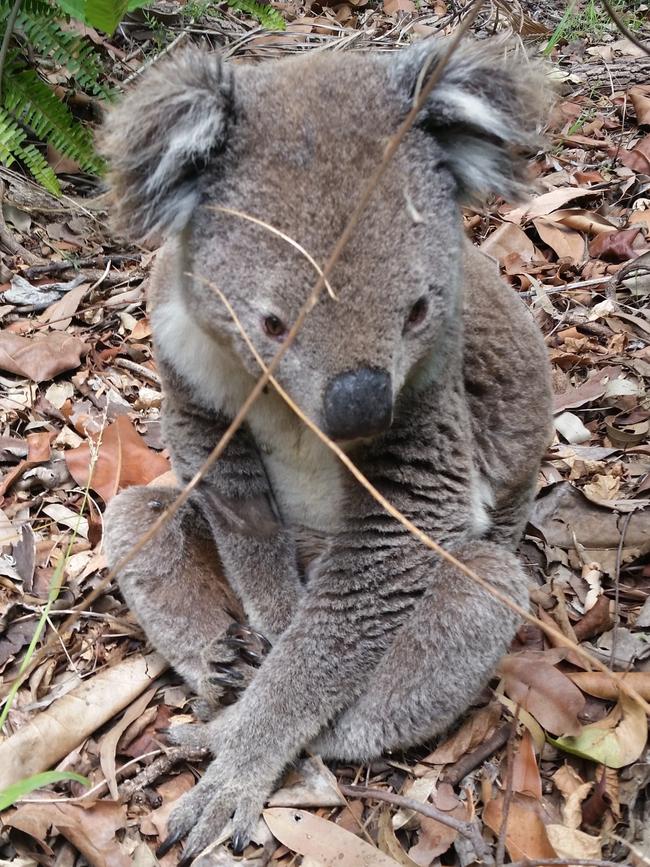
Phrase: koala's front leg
(439, 661)
(236, 500)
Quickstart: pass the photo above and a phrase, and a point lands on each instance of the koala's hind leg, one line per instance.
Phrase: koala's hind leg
(440, 659)
(175, 587)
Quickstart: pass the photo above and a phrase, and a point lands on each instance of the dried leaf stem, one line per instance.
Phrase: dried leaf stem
(238, 420)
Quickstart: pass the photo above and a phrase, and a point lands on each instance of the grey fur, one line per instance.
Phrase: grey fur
(377, 643)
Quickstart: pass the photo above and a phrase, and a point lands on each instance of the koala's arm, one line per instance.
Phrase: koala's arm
(236, 500)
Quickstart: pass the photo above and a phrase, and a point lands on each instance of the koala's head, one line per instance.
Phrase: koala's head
(293, 143)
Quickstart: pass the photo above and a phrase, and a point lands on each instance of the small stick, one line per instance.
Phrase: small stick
(162, 765)
(470, 830)
(628, 35)
(140, 369)
(456, 772)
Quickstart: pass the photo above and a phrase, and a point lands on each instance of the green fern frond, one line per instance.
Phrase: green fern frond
(269, 18)
(33, 104)
(66, 49)
(13, 147)
(41, 8)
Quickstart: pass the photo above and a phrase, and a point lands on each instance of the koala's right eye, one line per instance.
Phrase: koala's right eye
(274, 327)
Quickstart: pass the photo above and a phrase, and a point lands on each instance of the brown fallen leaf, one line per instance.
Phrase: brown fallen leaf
(91, 829)
(123, 459)
(434, 838)
(615, 246)
(543, 691)
(597, 620)
(637, 159)
(327, 843)
(473, 732)
(525, 773)
(546, 203)
(509, 238)
(572, 843)
(41, 356)
(641, 103)
(388, 842)
(395, 7)
(49, 736)
(599, 684)
(565, 242)
(525, 833)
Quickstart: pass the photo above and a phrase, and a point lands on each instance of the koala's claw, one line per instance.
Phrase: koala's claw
(169, 841)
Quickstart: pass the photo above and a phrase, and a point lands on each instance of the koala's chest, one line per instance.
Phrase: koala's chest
(306, 478)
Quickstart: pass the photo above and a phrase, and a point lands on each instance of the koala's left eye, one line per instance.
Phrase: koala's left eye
(417, 314)
(274, 327)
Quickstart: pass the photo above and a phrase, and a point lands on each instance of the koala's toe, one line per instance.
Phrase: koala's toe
(191, 737)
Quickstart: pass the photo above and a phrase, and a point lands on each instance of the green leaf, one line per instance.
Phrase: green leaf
(11, 794)
(103, 14)
(269, 18)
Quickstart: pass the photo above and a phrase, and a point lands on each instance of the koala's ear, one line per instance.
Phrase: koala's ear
(159, 139)
(486, 112)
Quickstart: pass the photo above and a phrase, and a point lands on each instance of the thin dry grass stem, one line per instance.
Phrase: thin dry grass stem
(500, 856)
(289, 240)
(551, 631)
(238, 420)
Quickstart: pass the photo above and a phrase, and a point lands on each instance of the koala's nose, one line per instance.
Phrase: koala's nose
(358, 403)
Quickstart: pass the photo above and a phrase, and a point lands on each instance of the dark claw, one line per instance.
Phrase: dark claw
(224, 680)
(187, 858)
(252, 658)
(237, 643)
(238, 844)
(226, 671)
(167, 844)
(164, 731)
(238, 629)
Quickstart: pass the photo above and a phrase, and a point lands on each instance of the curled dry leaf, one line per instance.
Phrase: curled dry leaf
(55, 732)
(599, 684)
(525, 773)
(434, 838)
(310, 785)
(641, 102)
(543, 690)
(90, 829)
(473, 732)
(41, 356)
(572, 843)
(615, 246)
(615, 741)
(327, 843)
(123, 459)
(526, 832)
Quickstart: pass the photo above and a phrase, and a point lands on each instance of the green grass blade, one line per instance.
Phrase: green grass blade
(11, 794)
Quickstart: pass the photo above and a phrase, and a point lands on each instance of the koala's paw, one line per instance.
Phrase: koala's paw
(222, 793)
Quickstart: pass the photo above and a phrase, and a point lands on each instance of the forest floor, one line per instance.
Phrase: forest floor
(551, 746)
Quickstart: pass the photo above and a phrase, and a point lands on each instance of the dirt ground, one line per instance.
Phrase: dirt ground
(552, 747)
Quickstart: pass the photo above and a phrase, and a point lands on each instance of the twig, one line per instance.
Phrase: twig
(140, 369)
(469, 830)
(456, 772)
(507, 798)
(173, 44)
(70, 264)
(260, 385)
(6, 39)
(157, 768)
(617, 581)
(627, 33)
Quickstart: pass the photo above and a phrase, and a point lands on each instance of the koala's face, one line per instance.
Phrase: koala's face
(292, 144)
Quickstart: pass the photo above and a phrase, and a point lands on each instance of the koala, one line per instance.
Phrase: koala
(425, 367)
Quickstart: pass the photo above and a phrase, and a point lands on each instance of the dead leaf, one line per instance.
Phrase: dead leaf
(38, 445)
(545, 204)
(110, 739)
(311, 784)
(327, 843)
(55, 732)
(525, 773)
(525, 833)
(543, 690)
(509, 238)
(90, 829)
(599, 684)
(641, 103)
(566, 243)
(123, 459)
(615, 246)
(615, 741)
(572, 843)
(395, 7)
(473, 732)
(42, 356)
(388, 842)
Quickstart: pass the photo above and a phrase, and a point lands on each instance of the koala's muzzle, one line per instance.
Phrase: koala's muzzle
(358, 403)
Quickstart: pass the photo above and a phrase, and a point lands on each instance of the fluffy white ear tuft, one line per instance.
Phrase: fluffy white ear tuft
(486, 111)
(160, 137)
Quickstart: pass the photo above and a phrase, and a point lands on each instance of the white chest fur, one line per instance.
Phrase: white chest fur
(307, 479)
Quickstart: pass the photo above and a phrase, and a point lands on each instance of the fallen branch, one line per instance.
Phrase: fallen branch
(469, 830)
(162, 765)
